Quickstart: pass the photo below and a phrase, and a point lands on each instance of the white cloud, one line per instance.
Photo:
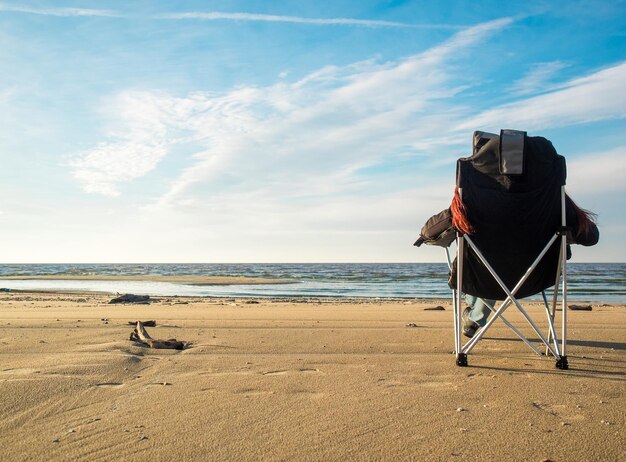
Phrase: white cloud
(221, 16)
(135, 149)
(301, 139)
(538, 78)
(56, 11)
(310, 138)
(467, 37)
(102, 168)
(598, 96)
(313, 134)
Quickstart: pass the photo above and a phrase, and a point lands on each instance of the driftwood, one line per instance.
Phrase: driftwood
(140, 334)
(435, 308)
(580, 307)
(132, 298)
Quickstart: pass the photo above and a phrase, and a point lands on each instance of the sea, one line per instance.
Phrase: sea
(593, 282)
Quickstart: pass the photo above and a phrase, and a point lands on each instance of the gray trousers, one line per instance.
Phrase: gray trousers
(479, 312)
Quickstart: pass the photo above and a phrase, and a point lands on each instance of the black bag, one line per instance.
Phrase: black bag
(438, 230)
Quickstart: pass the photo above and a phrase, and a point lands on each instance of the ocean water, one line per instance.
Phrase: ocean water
(595, 282)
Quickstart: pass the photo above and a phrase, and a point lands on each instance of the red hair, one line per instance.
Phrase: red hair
(459, 214)
(584, 217)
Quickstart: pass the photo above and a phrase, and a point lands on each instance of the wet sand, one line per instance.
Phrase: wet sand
(299, 380)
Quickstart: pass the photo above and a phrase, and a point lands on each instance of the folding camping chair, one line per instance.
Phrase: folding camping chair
(512, 190)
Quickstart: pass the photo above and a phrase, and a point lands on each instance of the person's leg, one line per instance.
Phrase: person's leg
(475, 315)
(479, 312)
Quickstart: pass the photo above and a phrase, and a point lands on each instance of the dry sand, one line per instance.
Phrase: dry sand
(281, 380)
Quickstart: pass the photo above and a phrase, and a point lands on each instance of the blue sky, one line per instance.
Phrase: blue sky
(289, 131)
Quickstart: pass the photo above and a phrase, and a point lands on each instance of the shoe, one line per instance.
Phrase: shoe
(470, 327)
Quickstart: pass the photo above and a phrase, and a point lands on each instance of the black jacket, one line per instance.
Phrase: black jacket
(438, 230)
(514, 217)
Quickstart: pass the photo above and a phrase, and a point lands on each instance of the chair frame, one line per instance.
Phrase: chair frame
(551, 342)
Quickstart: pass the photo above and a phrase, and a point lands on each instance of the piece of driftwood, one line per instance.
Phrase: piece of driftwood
(580, 307)
(132, 298)
(144, 323)
(140, 334)
(435, 308)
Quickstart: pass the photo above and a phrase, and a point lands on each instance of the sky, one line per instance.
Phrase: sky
(290, 130)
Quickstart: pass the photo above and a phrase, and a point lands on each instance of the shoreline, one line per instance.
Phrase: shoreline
(340, 300)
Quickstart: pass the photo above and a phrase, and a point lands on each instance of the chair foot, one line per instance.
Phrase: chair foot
(461, 360)
(561, 363)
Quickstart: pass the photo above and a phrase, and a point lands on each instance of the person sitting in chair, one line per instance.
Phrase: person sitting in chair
(441, 229)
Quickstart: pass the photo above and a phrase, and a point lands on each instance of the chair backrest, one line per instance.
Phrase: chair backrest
(511, 189)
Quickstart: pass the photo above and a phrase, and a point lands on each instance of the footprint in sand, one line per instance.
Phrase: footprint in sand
(20, 371)
(283, 372)
(249, 392)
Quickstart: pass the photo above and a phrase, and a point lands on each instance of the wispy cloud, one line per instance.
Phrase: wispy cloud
(109, 164)
(313, 137)
(46, 11)
(221, 16)
(538, 78)
(307, 138)
(132, 152)
(597, 96)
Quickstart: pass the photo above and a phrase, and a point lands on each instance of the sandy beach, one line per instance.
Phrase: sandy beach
(299, 380)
